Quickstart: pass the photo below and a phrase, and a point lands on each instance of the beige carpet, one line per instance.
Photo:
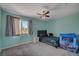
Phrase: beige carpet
(36, 49)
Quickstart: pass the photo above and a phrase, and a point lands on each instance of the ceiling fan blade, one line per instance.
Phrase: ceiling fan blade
(39, 14)
(47, 16)
(47, 12)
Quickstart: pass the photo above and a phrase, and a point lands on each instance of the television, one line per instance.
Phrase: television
(42, 33)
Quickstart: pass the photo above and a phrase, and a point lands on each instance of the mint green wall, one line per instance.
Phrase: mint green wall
(10, 41)
(66, 24)
(38, 25)
(0, 28)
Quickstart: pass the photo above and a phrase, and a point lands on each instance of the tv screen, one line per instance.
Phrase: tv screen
(41, 33)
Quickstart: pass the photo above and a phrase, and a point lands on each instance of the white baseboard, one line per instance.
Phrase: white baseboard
(17, 44)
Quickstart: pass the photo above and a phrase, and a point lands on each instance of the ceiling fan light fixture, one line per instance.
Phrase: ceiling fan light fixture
(44, 15)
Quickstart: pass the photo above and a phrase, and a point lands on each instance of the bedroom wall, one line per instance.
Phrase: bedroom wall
(68, 24)
(0, 28)
(9, 41)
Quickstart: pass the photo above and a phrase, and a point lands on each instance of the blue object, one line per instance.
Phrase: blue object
(69, 35)
(68, 41)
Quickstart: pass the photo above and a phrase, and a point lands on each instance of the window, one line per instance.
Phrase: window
(24, 27)
(16, 26)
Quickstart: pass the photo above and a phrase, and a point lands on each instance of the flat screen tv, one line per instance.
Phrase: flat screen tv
(41, 33)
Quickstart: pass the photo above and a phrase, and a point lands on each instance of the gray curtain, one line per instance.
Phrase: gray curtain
(30, 27)
(10, 29)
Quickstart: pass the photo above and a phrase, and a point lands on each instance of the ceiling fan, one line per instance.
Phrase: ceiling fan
(44, 14)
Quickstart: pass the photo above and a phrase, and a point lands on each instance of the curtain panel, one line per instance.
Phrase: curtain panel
(10, 26)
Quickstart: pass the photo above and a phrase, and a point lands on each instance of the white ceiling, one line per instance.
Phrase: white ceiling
(31, 9)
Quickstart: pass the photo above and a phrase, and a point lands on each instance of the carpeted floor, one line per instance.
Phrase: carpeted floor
(36, 49)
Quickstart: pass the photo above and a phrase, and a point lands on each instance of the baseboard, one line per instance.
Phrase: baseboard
(17, 44)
